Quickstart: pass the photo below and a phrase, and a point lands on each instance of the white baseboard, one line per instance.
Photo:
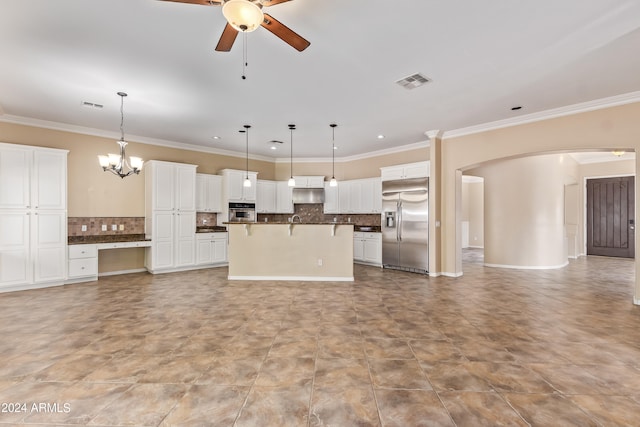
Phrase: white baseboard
(528, 267)
(293, 278)
(30, 286)
(449, 274)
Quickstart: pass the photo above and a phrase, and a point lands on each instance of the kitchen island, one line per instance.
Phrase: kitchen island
(290, 251)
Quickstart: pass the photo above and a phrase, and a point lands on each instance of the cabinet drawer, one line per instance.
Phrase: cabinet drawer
(372, 235)
(83, 251)
(83, 267)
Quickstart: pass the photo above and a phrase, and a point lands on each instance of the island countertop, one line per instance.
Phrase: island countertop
(291, 251)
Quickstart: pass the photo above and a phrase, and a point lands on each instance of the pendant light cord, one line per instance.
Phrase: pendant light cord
(291, 128)
(244, 55)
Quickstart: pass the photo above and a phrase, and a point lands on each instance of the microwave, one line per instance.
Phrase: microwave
(242, 212)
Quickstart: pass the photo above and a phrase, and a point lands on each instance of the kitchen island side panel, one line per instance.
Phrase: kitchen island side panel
(307, 252)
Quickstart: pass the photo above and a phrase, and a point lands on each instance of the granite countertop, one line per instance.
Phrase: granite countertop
(211, 229)
(108, 238)
(365, 228)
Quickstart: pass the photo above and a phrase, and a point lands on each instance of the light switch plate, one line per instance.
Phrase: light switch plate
(84, 227)
(104, 227)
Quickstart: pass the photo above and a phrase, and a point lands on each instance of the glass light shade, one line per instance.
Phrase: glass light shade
(247, 182)
(136, 162)
(114, 159)
(243, 15)
(333, 182)
(292, 182)
(104, 161)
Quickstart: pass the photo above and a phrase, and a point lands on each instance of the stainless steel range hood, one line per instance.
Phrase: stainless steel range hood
(308, 195)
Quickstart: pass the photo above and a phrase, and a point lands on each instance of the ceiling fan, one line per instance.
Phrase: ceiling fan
(247, 16)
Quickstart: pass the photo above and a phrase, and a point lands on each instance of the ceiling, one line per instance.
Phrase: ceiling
(483, 57)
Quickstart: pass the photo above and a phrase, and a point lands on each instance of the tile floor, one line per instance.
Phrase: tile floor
(494, 347)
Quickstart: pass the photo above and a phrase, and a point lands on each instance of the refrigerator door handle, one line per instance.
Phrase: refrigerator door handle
(399, 225)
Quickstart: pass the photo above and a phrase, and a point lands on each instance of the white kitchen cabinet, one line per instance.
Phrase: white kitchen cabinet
(211, 249)
(331, 201)
(406, 171)
(367, 248)
(170, 216)
(309, 181)
(208, 193)
(358, 196)
(83, 262)
(266, 196)
(233, 186)
(33, 217)
(284, 197)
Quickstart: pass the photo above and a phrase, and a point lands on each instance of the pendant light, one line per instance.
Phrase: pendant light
(116, 163)
(292, 182)
(333, 182)
(247, 181)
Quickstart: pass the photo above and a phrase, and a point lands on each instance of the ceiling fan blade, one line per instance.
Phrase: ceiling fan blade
(267, 3)
(227, 38)
(285, 33)
(202, 2)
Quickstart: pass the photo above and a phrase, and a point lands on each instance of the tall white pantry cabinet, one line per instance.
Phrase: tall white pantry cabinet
(170, 216)
(33, 217)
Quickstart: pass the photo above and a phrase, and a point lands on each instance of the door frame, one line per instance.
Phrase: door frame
(584, 208)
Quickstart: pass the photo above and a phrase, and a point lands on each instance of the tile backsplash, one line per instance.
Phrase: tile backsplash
(130, 225)
(314, 213)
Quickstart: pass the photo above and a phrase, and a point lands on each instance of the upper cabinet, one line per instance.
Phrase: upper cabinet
(284, 197)
(172, 186)
(406, 171)
(32, 178)
(266, 196)
(309, 181)
(208, 193)
(358, 196)
(233, 188)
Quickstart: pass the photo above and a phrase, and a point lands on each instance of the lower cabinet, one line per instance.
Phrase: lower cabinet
(83, 263)
(211, 248)
(367, 248)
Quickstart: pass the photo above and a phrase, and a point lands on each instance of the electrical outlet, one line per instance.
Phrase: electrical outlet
(114, 227)
(121, 228)
(319, 262)
(104, 227)
(84, 227)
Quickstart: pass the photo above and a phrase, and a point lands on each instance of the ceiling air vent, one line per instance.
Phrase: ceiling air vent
(413, 81)
(91, 105)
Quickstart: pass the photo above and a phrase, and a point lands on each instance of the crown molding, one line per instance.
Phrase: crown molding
(65, 127)
(383, 152)
(583, 107)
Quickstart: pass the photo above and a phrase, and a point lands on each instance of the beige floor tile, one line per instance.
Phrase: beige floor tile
(549, 410)
(481, 409)
(560, 345)
(400, 374)
(416, 408)
(276, 406)
(344, 407)
(342, 373)
(206, 405)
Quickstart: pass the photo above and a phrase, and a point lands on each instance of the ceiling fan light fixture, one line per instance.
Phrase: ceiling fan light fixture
(243, 15)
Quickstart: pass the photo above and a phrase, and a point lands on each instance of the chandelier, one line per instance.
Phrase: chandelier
(117, 163)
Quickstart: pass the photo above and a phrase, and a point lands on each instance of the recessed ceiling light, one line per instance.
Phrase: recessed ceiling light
(216, 137)
(380, 136)
(335, 147)
(273, 144)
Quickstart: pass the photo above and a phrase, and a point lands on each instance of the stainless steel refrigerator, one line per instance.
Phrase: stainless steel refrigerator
(405, 224)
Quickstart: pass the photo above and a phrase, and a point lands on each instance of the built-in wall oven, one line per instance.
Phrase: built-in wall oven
(242, 212)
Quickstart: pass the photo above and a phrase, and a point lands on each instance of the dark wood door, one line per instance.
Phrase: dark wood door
(610, 217)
